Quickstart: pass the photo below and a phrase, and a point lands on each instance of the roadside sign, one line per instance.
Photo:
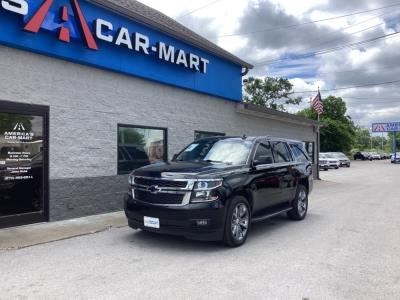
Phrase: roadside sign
(386, 127)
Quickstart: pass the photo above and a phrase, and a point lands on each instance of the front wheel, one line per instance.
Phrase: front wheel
(237, 223)
(299, 204)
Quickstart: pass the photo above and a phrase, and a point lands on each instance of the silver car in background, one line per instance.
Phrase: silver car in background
(343, 159)
(331, 161)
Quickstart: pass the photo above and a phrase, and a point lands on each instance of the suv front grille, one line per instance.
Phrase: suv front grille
(159, 198)
(160, 182)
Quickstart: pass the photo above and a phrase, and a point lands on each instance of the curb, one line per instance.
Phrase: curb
(37, 234)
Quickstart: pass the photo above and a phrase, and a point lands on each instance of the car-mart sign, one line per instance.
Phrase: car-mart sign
(386, 127)
(84, 32)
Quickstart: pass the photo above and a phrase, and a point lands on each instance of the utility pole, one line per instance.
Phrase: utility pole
(371, 139)
(395, 145)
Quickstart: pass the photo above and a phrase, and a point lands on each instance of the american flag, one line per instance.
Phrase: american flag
(317, 104)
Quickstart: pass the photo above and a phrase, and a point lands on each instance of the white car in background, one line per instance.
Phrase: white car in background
(375, 156)
(343, 159)
(331, 161)
(397, 161)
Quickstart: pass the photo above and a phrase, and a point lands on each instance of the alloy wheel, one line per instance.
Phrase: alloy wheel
(240, 221)
(302, 202)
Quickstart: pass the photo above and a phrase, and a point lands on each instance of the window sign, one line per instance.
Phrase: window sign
(140, 146)
(21, 164)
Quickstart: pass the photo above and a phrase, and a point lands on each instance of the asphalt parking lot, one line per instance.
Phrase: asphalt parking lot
(347, 248)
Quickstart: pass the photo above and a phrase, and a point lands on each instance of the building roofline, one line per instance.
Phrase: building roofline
(167, 25)
(262, 112)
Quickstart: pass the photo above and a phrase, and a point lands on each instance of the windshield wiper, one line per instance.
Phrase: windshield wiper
(217, 161)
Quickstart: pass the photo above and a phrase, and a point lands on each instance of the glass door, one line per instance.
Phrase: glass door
(23, 165)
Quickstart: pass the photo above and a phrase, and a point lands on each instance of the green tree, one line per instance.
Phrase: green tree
(338, 135)
(275, 93)
(130, 136)
(362, 139)
(391, 139)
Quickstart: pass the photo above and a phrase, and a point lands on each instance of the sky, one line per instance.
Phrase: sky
(313, 43)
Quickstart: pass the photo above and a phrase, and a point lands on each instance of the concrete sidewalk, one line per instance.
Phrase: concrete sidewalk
(30, 235)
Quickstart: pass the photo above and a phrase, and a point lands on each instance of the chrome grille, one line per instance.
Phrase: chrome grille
(159, 191)
(160, 182)
(159, 198)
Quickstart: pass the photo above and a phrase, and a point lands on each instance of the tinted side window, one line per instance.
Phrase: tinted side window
(281, 152)
(298, 153)
(263, 153)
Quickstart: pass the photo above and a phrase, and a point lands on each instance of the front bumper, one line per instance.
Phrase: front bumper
(179, 220)
(345, 163)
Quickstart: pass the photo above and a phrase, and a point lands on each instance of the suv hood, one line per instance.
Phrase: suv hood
(186, 170)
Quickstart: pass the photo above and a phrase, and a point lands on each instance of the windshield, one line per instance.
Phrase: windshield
(326, 155)
(229, 151)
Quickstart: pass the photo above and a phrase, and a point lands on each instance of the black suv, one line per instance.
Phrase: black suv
(362, 156)
(216, 187)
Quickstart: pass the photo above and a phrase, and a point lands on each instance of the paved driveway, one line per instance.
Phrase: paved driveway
(347, 248)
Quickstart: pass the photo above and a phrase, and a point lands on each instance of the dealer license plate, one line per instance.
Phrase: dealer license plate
(151, 222)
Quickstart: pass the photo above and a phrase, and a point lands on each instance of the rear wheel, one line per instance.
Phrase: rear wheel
(299, 204)
(237, 223)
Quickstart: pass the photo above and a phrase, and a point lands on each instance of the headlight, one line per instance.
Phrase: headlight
(203, 191)
(131, 179)
(207, 185)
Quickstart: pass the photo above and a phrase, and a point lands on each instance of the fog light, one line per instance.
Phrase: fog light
(202, 194)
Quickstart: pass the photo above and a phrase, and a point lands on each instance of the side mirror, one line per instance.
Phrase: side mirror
(262, 160)
(174, 156)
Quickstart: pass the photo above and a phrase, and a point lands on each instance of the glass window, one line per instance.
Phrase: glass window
(233, 151)
(281, 152)
(263, 152)
(21, 164)
(299, 153)
(139, 146)
(205, 134)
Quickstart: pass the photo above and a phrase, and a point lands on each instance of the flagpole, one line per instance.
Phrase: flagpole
(319, 142)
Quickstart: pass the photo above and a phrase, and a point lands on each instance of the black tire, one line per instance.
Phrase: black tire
(336, 167)
(230, 239)
(326, 169)
(298, 211)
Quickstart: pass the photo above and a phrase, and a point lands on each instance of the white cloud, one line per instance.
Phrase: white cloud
(370, 63)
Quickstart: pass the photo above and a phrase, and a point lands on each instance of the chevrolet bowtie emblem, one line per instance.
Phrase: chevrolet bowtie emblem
(154, 189)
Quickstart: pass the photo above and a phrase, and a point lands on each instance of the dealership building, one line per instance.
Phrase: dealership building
(90, 90)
